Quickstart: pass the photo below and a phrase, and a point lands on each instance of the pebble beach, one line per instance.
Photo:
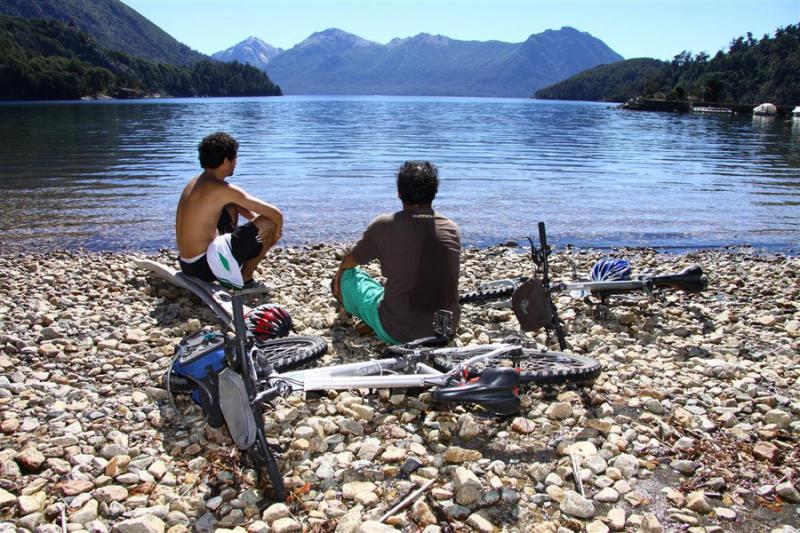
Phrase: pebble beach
(693, 425)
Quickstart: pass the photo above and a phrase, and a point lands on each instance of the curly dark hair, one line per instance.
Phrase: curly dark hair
(215, 148)
(417, 182)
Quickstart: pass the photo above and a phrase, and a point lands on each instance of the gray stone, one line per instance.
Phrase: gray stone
(351, 521)
(627, 464)
(85, 514)
(723, 513)
(285, 525)
(778, 417)
(607, 495)
(559, 411)
(684, 466)
(373, 526)
(576, 505)
(276, 511)
(697, 502)
(479, 523)
(369, 449)
(616, 519)
(466, 486)
(142, 524)
(457, 512)
(788, 492)
(6, 498)
(33, 503)
(468, 429)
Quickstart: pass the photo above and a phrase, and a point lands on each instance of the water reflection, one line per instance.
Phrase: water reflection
(107, 175)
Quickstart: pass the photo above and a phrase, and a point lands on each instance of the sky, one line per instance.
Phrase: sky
(632, 28)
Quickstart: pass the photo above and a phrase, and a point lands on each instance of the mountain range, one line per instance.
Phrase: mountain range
(251, 51)
(337, 62)
(327, 62)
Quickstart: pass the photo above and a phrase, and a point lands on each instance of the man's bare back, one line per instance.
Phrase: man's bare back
(205, 198)
(199, 211)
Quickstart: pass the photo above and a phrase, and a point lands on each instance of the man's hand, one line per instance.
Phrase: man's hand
(348, 262)
(336, 289)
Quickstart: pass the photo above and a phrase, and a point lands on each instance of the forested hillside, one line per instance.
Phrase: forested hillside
(112, 24)
(750, 71)
(616, 82)
(46, 59)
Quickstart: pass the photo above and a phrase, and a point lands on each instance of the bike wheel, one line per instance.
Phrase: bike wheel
(177, 384)
(289, 352)
(266, 467)
(536, 367)
(485, 295)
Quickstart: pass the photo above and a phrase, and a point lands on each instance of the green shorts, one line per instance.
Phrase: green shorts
(361, 296)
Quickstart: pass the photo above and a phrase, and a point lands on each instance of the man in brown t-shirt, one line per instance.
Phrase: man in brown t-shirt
(419, 253)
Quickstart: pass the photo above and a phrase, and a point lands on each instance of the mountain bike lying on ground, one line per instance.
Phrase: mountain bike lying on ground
(609, 277)
(233, 376)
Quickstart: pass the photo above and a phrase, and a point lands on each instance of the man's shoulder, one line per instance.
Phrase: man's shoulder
(383, 219)
(445, 220)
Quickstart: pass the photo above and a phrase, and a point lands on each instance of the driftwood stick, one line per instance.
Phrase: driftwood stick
(63, 517)
(576, 473)
(411, 498)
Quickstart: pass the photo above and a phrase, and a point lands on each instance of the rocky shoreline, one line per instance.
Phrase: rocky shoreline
(694, 424)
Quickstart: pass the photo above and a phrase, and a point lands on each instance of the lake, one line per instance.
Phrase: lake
(107, 175)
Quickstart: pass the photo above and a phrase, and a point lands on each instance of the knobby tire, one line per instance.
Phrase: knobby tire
(485, 295)
(536, 366)
(290, 352)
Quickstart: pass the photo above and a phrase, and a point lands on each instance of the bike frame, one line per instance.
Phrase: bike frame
(570, 286)
(389, 373)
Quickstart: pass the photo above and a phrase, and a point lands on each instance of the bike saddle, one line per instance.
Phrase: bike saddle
(690, 279)
(496, 391)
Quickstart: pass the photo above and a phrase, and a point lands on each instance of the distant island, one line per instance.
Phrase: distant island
(337, 62)
(750, 71)
(63, 49)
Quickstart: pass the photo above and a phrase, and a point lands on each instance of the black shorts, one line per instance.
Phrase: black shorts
(245, 245)
(198, 269)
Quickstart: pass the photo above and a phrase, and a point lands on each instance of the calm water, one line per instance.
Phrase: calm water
(107, 175)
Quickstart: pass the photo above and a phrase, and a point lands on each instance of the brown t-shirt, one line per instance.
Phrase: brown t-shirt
(419, 252)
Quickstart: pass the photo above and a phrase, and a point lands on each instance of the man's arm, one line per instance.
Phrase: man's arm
(246, 213)
(348, 262)
(254, 207)
(252, 204)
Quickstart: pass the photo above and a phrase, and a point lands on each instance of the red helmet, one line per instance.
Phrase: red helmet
(269, 321)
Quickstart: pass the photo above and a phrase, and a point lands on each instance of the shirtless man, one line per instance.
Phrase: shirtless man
(210, 244)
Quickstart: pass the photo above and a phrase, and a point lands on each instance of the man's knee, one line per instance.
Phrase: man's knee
(267, 229)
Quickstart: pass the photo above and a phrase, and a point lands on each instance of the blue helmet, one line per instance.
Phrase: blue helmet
(611, 269)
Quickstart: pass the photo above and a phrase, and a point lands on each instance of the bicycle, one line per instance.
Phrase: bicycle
(233, 389)
(689, 280)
